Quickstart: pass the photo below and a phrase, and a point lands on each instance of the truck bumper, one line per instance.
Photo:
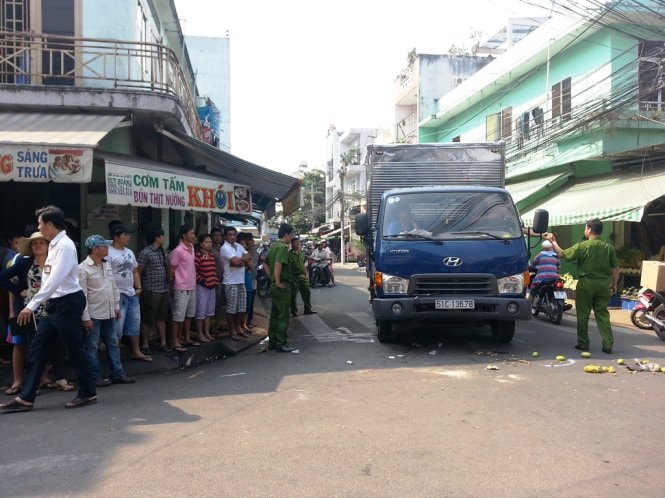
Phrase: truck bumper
(424, 308)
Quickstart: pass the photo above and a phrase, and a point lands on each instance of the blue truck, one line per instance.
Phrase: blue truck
(444, 239)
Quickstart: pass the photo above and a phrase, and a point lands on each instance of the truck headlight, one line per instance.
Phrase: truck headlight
(394, 285)
(514, 284)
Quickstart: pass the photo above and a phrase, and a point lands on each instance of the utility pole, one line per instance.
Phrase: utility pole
(313, 212)
(342, 215)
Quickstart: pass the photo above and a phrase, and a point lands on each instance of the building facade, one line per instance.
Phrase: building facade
(580, 106)
(99, 116)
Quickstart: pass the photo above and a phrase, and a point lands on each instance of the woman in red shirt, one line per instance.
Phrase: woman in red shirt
(207, 281)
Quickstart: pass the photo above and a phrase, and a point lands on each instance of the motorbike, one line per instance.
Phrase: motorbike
(550, 300)
(318, 272)
(262, 282)
(649, 312)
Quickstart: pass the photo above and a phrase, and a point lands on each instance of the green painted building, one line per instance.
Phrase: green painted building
(580, 104)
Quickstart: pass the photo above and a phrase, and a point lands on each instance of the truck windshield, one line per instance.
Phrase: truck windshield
(451, 215)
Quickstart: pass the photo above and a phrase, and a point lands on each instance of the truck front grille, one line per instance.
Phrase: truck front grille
(458, 285)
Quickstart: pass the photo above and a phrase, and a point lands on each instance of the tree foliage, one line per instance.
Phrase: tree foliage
(308, 216)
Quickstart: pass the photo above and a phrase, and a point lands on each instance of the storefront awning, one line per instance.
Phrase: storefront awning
(43, 147)
(620, 196)
(145, 183)
(268, 186)
(522, 190)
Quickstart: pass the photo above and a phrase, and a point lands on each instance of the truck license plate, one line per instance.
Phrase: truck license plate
(455, 304)
(559, 295)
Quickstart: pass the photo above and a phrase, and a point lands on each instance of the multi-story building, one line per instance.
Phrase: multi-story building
(346, 177)
(580, 106)
(98, 115)
(211, 62)
(419, 86)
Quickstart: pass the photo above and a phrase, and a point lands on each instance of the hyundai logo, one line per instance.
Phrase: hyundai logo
(452, 261)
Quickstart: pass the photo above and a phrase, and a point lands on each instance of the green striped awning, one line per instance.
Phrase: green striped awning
(620, 196)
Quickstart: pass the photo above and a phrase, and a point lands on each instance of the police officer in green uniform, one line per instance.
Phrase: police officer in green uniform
(278, 263)
(300, 281)
(598, 278)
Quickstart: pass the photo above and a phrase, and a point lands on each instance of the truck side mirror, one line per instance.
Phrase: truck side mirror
(541, 220)
(362, 224)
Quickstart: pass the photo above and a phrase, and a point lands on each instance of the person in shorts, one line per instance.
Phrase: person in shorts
(124, 267)
(235, 259)
(182, 275)
(155, 282)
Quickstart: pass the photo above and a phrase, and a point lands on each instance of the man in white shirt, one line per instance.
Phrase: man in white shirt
(128, 280)
(323, 254)
(235, 258)
(64, 303)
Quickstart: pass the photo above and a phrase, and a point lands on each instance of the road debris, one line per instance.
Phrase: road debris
(599, 369)
(491, 367)
(349, 362)
(644, 366)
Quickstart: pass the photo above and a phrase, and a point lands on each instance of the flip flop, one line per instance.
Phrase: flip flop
(80, 402)
(13, 390)
(180, 349)
(15, 406)
(64, 387)
(146, 359)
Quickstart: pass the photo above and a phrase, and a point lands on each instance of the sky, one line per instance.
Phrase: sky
(298, 66)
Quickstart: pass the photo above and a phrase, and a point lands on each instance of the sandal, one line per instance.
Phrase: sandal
(180, 349)
(13, 390)
(80, 402)
(17, 405)
(192, 343)
(48, 385)
(66, 387)
(146, 359)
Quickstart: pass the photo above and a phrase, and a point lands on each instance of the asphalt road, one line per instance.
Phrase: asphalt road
(349, 416)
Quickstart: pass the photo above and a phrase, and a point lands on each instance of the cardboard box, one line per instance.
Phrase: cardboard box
(653, 275)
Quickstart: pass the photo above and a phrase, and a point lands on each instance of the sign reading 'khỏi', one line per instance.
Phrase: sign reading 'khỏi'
(143, 188)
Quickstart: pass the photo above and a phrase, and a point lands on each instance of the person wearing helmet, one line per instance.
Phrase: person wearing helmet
(547, 267)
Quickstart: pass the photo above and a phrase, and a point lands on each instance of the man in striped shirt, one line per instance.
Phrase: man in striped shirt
(547, 266)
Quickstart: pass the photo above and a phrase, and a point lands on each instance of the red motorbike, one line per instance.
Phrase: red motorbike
(649, 312)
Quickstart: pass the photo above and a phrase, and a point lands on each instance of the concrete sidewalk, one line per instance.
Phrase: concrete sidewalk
(164, 362)
(618, 317)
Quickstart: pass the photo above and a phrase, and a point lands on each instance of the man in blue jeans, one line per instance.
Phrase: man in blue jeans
(101, 311)
(64, 302)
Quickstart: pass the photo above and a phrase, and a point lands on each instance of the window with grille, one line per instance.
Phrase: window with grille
(499, 125)
(651, 76)
(14, 51)
(561, 99)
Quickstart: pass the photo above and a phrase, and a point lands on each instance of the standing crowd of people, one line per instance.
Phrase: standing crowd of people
(60, 308)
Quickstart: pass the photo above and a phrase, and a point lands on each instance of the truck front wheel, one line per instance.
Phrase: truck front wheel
(384, 330)
(503, 330)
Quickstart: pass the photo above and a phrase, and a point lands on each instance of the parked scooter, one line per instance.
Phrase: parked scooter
(649, 312)
(262, 282)
(550, 301)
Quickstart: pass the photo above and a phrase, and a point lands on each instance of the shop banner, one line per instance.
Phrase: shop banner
(144, 188)
(30, 163)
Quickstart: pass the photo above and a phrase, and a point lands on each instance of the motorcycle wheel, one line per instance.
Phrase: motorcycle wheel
(660, 332)
(637, 317)
(263, 288)
(316, 277)
(534, 311)
(555, 312)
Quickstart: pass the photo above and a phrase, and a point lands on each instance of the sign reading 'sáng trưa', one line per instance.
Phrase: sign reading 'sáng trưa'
(144, 188)
(45, 164)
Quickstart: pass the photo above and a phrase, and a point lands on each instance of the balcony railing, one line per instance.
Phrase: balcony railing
(39, 59)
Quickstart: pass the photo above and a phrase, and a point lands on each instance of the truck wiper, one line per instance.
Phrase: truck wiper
(478, 233)
(418, 236)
